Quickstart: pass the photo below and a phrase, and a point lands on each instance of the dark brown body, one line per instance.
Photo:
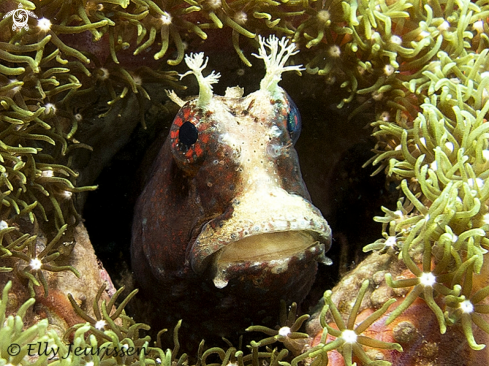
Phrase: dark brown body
(210, 223)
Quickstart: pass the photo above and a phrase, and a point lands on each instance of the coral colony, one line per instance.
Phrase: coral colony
(423, 64)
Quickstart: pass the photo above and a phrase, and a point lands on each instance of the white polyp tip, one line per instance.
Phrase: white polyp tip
(479, 26)
(214, 4)
(67, 194)
(390, 241)
(44, 24)
(396, 39)
(50, 107)
(375, 36)
(466, 307)
(389, 69)
(241, 17)
(3, 225)
(279, 52)
(449, 146)
(349, 336)
(334, 51)
(485, 219)
(444, 26)
(427, 279)
(166, 18)
(284, 331)
(137, 80)
(377, 96)
(17, 88)
(104, 73)
(485, 155)
(35, 264)
(477, 182)
(323, 16)
(100, 324)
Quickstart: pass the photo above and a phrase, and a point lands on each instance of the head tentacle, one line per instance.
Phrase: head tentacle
(280, 51)
(196, 63)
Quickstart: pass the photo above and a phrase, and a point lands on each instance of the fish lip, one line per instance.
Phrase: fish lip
(202, 256)
(222, 271)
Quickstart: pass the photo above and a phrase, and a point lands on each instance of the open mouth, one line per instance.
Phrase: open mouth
(266, 247)
(272, 250)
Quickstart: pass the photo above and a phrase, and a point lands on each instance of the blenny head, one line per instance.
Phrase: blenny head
(226, 212)
(269, 217)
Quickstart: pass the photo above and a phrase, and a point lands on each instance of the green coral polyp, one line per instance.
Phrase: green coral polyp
(349, 339)
(288, 333)
(466, 307)
(34, 263)
(438, 155)
(12, 331)
(119, 344)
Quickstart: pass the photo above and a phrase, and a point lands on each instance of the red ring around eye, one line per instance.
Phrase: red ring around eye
(190, 147)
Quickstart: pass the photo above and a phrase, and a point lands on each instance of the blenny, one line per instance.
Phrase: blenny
(225, 227)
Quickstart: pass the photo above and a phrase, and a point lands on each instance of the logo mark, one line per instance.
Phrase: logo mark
(20, 17)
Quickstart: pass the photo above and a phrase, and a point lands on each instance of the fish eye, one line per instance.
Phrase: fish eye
(188, 134)
(294, 123)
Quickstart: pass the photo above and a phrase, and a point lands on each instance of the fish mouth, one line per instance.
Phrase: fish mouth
(266, 247)
(250, 241)
(270, 252)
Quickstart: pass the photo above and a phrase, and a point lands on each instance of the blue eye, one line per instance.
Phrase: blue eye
(294, 123)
